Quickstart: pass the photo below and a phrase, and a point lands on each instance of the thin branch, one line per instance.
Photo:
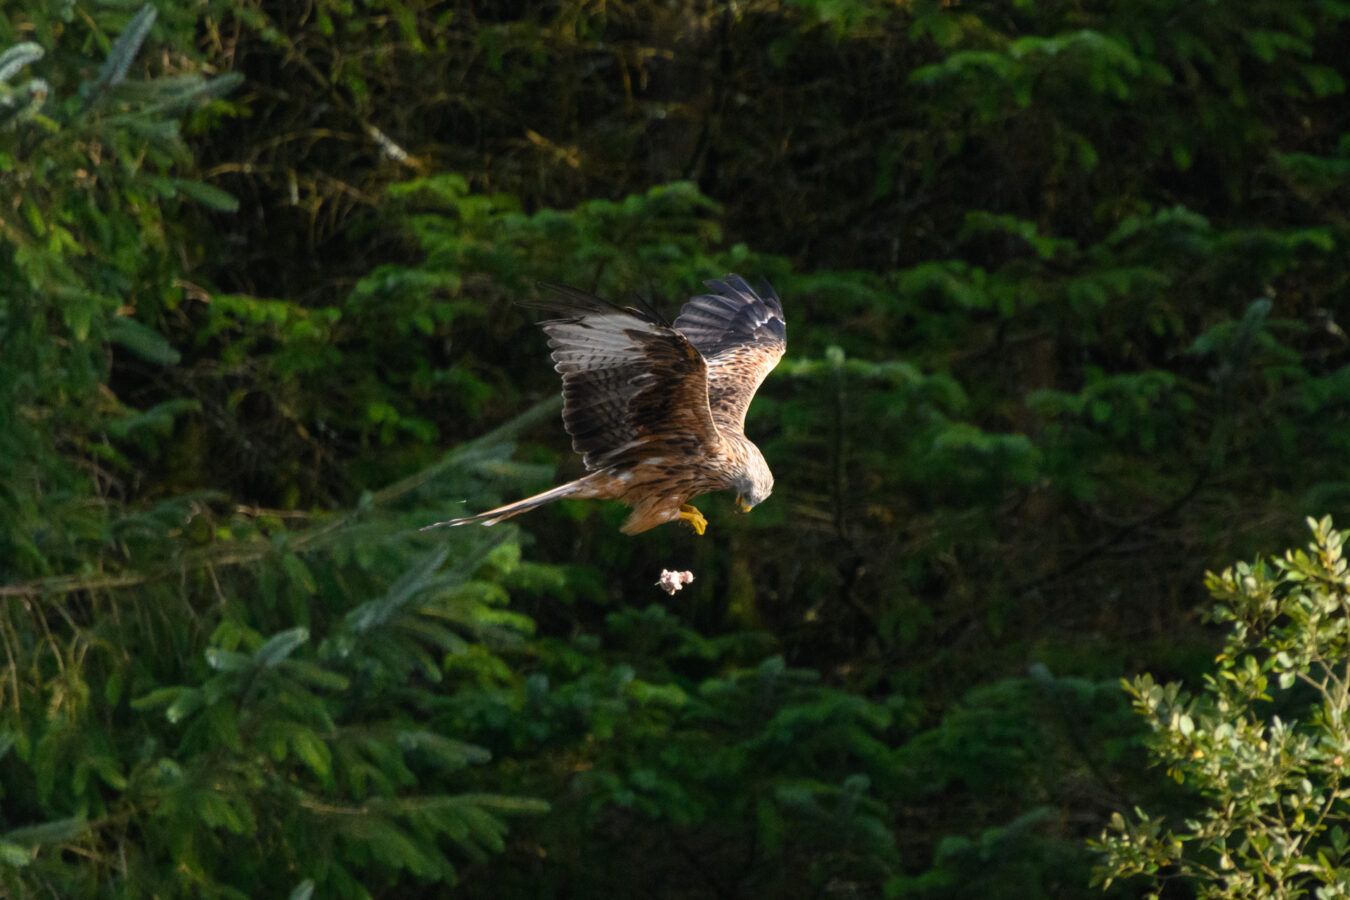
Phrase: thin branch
(205, 558)
(1124, 531)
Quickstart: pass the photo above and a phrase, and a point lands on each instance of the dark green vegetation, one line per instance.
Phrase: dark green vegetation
(1063, 284)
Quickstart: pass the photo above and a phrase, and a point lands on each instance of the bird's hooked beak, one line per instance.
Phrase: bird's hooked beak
(742, 505)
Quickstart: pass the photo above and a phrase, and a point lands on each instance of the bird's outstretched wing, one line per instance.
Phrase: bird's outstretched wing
(742, 335)
(629, 381)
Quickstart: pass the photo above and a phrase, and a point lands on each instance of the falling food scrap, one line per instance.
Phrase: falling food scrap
(672, 581)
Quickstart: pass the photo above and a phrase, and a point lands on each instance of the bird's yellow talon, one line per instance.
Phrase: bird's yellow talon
(695, 518)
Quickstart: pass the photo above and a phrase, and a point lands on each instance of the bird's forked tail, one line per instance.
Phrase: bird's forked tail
(493, 516)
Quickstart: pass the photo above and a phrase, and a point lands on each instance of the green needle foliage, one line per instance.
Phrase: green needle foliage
(89, 264)
(250, 717)
(1066, 304)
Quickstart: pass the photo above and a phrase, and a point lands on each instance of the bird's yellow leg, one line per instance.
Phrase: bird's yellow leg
(695, 518)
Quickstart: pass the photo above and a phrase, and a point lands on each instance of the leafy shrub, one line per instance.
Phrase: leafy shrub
(1262, 746)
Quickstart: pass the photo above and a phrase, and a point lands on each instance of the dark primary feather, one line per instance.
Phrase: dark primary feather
(733, 316)
(626, 376)
(570, 301)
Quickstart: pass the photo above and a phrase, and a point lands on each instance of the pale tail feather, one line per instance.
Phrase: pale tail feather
(493, 516)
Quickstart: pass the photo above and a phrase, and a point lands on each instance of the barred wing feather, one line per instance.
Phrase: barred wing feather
(742, 335)
(629, 380)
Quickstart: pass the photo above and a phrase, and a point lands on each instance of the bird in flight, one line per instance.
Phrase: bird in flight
(657, 409)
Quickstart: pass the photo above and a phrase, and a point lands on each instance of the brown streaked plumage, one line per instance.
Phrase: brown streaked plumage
(656, 409)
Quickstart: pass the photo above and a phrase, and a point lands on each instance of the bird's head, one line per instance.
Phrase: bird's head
(755, 483)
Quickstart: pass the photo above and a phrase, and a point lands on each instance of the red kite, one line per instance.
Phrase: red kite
(657, 409)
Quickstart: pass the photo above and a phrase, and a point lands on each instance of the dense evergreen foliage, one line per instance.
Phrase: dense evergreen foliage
(1064, 287)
